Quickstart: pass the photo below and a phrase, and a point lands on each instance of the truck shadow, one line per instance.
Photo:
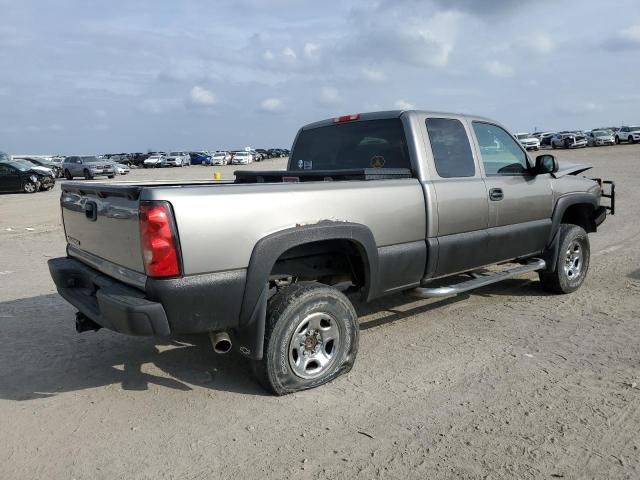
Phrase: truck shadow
(43, 356)
(514, 287)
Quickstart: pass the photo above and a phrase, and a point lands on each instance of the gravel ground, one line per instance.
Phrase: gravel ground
(505, 382)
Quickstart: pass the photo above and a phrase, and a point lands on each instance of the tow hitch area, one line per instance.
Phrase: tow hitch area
(611, 194)
(85, 324)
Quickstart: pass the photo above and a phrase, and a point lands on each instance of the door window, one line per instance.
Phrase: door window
(501, 154)
(451, 149)
(6, 170)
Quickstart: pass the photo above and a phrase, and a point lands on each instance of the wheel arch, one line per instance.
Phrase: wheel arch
(576, 208)
(268, 250)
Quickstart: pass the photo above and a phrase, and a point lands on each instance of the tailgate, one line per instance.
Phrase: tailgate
(102, 220)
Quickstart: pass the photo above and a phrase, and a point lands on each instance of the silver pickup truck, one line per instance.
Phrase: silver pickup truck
(370, 204)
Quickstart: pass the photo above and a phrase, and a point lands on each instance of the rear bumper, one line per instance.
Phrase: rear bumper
(109, 303)
(194, 304)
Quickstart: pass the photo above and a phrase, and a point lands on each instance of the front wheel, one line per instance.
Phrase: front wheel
(30, 187)
(67, 175)
(630, 140)
(87, 175)
(311, 338)
(572, 262)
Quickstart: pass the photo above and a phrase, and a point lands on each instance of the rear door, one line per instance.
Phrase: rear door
(520, 204)
(461, 197)
(9, 179)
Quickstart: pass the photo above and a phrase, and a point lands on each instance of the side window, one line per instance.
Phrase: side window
(451, 149)
(501, 154)
(5, 170)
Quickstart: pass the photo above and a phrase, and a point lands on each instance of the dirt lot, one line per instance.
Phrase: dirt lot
(506, 382)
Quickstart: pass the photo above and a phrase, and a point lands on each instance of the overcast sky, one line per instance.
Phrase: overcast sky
(97, 77)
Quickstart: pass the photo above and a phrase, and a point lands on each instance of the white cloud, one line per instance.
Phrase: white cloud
(330, 96)
(577, 108)
(311, 51)
(498, 69)
(404, 105)
(289, 54)
(202, 96)
(539, 43)
(272, 105)
(268, 55)
(435, 38)
(631, 33)
(373, 74)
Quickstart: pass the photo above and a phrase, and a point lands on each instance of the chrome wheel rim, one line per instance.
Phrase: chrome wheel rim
(314, 345)
(30, 188)
(574, 260)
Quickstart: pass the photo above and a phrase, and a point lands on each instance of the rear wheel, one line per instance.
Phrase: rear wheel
(572, 262)
(311, 338)
(630, 139)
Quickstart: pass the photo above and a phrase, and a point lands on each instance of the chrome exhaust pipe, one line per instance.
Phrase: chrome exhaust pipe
(221, 342)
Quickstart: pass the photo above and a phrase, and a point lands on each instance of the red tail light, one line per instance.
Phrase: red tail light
(159, 246)
(347, 118)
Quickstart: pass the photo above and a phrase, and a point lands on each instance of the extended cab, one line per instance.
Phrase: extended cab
(371, 204)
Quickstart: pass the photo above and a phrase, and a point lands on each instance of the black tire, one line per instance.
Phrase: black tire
(287, 313)
(30, 187)
(560, 281)
(630, 140)
(67, 175)
(567, 143)
(87, 175)
(617, 139)
(110, 176)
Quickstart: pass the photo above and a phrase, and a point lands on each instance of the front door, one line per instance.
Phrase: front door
(520, 203)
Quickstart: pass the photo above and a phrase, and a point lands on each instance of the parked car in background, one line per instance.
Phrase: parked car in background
(22, 176)
(199, 158)
(87, 167)
(221, 158)
(242, 158)
(596, 138)
(263, 153)
(55, 168)
(628, 134)
(528, 141)
(120, 168)
(178, 159)
(155, 161)
(545, 138)
(568, 140)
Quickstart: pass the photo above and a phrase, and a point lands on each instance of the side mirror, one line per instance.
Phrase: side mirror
(546, 164)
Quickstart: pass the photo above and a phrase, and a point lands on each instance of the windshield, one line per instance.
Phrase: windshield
(352, 145)
(218, 154)
(89, 159)
(601, 133)
(21, 165)
(175, 154)
(242, 154)
(633, 129)
(522, 136)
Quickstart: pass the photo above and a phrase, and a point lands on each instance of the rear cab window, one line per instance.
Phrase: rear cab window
(451, 149)
(352, 145)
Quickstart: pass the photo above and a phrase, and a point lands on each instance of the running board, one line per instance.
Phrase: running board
(478, 281)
